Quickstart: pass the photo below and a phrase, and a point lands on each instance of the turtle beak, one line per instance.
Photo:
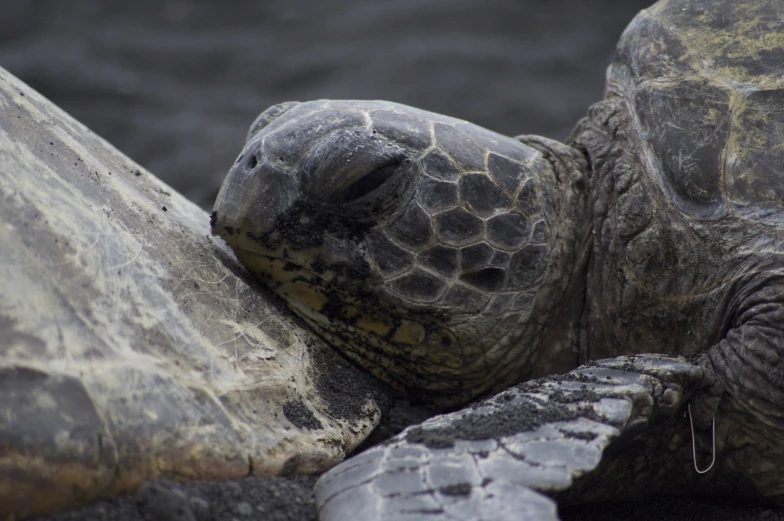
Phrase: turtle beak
(255, 192)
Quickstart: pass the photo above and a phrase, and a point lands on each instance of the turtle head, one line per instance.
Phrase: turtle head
(420, 246)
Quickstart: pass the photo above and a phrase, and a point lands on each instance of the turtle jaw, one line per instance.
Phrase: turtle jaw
(316, 287)
(401, 348)
(427, 355)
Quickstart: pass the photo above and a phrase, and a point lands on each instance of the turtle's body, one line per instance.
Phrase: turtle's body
(688, 213)
(687, 178)
(453, 262)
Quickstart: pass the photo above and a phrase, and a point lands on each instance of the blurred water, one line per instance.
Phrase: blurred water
(174, 84)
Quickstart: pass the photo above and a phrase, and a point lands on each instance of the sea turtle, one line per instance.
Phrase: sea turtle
(453, 263)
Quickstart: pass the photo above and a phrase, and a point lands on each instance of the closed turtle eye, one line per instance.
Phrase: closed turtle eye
(366, 184)
(356, 172)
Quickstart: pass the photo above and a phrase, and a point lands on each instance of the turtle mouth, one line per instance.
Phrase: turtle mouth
(274, 266)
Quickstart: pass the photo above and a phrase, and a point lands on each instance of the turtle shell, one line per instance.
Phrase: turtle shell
(705, 80)
(131, 346)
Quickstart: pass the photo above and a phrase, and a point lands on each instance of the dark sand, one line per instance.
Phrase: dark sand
(174, 84)
(291, 499)
(281, 499)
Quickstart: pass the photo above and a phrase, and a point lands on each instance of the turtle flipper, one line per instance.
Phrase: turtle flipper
(501, 458)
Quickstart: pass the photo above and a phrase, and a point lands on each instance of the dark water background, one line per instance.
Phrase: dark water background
(175, 84)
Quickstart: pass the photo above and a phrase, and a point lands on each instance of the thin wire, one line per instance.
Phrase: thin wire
(694, 444)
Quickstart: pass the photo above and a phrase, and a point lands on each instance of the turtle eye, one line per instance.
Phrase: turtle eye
(366, 184)
(355, 171)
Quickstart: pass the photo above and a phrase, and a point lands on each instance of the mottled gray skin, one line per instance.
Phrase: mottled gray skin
(453, 262)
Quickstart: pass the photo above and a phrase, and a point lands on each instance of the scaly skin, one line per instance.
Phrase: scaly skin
(661, 230)
(460, 265)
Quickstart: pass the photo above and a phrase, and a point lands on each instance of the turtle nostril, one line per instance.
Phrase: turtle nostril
(252, 162)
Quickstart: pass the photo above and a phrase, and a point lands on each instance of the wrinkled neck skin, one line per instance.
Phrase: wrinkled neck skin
(658, 281)
(662, 281)
(560, 302)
